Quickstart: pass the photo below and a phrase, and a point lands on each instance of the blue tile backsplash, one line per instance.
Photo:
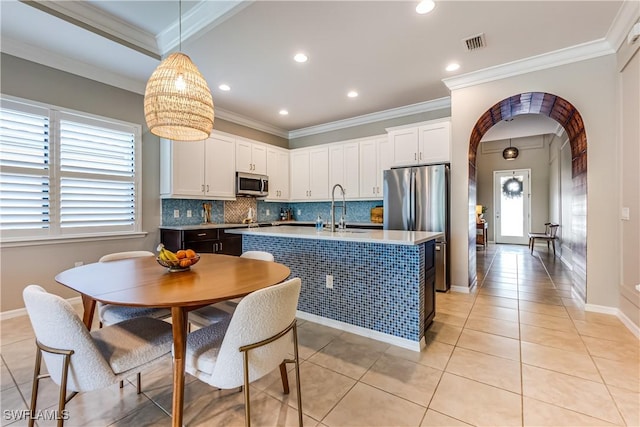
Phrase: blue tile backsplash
(357, 211)
(376, 286)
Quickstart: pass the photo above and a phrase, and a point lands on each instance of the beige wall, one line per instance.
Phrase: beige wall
(629, 63)
(591, 86)
(20, 266)
(535, 159)
(370, 129)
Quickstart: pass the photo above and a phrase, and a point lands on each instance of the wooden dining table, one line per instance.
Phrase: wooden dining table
(142, 282)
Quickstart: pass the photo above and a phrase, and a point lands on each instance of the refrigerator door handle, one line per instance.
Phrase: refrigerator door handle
(412, 200)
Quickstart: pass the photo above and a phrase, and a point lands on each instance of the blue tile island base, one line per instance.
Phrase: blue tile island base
(378, 287)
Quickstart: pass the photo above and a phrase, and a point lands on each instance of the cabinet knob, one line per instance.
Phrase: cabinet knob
(415, 156)
(203, 188)
(207, 188)
(421, 155)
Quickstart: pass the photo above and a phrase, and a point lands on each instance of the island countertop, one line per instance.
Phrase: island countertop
(392, 237)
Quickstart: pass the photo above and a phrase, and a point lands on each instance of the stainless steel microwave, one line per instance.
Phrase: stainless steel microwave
(251, 184)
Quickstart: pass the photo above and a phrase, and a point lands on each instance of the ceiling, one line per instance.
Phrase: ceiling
(384, 50)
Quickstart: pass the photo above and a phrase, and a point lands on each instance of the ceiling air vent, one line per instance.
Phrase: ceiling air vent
(475, 42)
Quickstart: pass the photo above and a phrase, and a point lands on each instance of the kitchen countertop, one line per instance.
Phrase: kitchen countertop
(393, 237)
(260, 224)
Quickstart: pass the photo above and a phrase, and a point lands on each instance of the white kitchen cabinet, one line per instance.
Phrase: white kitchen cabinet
(428, 142)
(343, 168)
(310, 174)
(219, 176)
(251, 157)
(278, 172)
(376, 156)
(201, 169)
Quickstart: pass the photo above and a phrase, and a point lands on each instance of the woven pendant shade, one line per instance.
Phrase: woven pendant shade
(177, 101)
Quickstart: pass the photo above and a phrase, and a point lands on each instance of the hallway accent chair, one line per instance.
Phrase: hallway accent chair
(550, 235)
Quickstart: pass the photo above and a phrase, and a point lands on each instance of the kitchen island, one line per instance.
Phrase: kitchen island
(377, 283)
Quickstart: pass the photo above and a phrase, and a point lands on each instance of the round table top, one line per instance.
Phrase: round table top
(143, 282)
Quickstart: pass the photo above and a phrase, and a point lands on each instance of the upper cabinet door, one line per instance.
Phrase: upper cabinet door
(251, 157)
(435, 142)
(405, 146)
(343, 168)
(300, 175)
(187, 172)
(243, 156)
(259, 158)
(319, 173)
(278, 172)
(368, 168)
(220, 174)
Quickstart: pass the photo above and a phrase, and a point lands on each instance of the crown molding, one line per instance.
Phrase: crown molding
(568, 55)
(407, 110)
(200, 18)
(628, 14)
(89, 17)
(239, 119)
(72, 66)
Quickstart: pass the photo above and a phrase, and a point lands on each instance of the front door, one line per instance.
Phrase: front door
(512, 213)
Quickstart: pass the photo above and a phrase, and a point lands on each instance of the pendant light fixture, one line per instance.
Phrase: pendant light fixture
(177, 100)
(510, 153)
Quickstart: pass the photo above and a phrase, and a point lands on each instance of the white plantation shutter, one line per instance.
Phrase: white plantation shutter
(66, 173)
(24, 169)
(97, 176)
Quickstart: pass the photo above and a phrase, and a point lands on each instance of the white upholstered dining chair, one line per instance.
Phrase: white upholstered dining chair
(255, 341)
(78, 360)
(214, 313)
(110, 314)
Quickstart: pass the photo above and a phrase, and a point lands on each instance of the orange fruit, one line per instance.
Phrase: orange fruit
(181, 254)
(190, 253)
(185, 262)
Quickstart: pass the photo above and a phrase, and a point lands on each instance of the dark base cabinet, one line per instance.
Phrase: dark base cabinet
(429, 283)
(208, 241)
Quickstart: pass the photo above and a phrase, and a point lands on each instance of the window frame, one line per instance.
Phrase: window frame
(55, 233)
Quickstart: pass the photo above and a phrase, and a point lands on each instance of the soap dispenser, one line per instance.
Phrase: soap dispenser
(319, 223)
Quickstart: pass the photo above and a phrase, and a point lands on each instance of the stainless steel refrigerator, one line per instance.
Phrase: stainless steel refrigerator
(417, 199)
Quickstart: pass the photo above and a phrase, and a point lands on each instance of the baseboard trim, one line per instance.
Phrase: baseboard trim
(461, 289)
(23, 311)
(566, 263)
(633, 328)
(379, 336)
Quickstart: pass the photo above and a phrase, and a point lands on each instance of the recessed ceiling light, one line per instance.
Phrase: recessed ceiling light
(425, 6)
(284, 112)
(352, 94)
(224, 87)
(300, 57)
(452, 67)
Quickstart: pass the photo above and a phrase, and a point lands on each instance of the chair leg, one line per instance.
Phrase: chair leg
(553, 243)
(139, 381)
(284, 377)
(63, 390)
(532, 242)
(297, 362)
(247, 397)
(121, 384)
(34, 387)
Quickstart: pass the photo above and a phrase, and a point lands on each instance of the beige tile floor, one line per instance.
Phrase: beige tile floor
(517, 351)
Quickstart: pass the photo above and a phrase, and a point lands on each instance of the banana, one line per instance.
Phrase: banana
(166, 255)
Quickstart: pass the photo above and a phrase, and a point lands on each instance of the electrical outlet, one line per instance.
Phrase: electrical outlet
(638, 287)
(624, 214)
(189, 213)
(78, 263)
(299, 212)
(268, 212)
(176, 213)
(329, 281)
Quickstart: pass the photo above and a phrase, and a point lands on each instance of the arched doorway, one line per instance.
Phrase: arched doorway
(570, 119)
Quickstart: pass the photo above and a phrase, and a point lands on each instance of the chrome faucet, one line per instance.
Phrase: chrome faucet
(333, 207)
